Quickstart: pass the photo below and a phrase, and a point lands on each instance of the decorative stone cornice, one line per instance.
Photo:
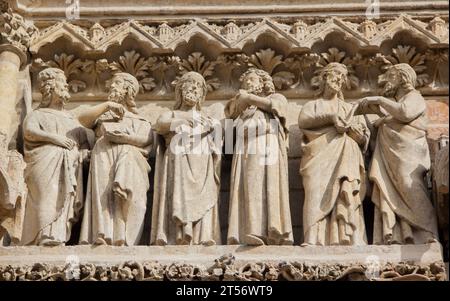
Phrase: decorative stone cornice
(231, 36)
(291, 74)
(211, 8)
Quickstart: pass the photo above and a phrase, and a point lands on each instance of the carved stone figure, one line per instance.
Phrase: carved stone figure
(187, 178)
(403, 210)
(55, 145)
(332, 165)
(118, 177)
(259, 194)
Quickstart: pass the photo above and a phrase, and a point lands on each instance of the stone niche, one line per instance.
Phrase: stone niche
(158, 44)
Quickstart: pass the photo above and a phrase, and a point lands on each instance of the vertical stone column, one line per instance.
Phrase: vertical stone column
(14, 41)
(10, 61)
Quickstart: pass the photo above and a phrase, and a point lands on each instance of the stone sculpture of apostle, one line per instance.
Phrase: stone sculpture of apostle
(404, 213)
(259, 194)
(187, 178)
(332, 165)
(55, 145)
(118, 180)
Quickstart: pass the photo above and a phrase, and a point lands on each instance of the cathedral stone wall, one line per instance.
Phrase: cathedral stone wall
(296, 44)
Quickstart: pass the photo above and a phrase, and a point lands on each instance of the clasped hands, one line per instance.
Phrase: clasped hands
(243, 99)
(352, 129)
(372, 104)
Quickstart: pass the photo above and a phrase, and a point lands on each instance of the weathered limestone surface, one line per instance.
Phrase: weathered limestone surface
(410, 262)
(323, 71)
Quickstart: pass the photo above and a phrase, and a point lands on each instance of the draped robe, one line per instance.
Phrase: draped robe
(403, 210)
(259, 211)
(118, 182)
(187, 187)
(332, 168)
(54, 178)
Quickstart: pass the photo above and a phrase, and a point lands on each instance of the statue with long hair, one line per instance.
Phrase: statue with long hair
(118, 181)
(404, 213)
(187, 177)
(332, 164)
(259, 211)
(55, 145)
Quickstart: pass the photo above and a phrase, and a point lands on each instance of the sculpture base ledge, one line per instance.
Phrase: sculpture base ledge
(225, 262)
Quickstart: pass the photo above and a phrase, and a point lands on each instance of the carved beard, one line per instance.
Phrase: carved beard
(256, 89)
(191, 98)
(332, 86)
(389, 89)
(117, 95)
(63, 95)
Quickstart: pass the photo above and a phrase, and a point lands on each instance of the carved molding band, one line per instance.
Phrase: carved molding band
(299, 35)
(223, 269)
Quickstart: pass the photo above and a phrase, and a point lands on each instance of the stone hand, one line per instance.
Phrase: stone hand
(382, 121)
(64, 142)
(371, 100)
(116, 108)
(176, 122)
(117, 137)
(243, 97)
(340, 124)
(371, 105)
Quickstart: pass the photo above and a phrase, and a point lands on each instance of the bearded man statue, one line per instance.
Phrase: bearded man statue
(404, 213)
(187, 177)
(332, 164)
(259, 212)
(55, 146)
(118, 181)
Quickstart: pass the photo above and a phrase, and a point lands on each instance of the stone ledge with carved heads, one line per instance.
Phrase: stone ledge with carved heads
(413, 262)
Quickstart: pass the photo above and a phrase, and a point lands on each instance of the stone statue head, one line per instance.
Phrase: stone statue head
(398, 76)
(123, 89)
(53, 87)
(257, 81)
(332, 79)
(190, 91)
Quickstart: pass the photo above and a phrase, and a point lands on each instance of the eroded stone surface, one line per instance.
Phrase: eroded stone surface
(296, 47)
(413, 262)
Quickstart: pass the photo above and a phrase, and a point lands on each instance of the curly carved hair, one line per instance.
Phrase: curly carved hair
(265, 79)
(47, 84)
